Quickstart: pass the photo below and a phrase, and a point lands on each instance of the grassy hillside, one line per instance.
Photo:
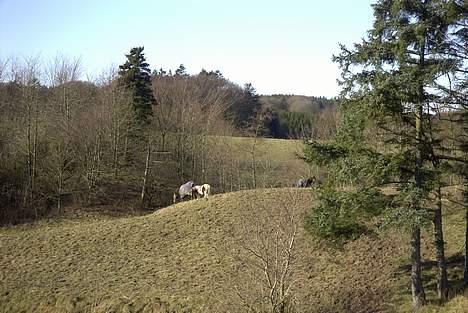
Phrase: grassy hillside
(277, 160)
(185, 258)
(229, 166)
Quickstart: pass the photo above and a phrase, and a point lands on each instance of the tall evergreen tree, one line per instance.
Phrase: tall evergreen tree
(135, 76)
(388, 90)
(455, 97)
(181, 71)
(244, 112)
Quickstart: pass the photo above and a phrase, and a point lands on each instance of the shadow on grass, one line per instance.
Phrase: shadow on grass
(455, 265)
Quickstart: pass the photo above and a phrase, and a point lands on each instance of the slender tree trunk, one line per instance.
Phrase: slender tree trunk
(163, 140)
(34, 159)
(417, 289)
(203, 157)
(442, 283)
(192, 165)
(29, 193)
(94, 168)
(182, 161)
(115, 149)
(239, 182)
(147, 170)
(231, 172)
(116, 124)
(98, 160)
(254, 165)
(465, 276)
(223, 175)
(177, 156)
(126, 143)
(32, 108)
(59, 194)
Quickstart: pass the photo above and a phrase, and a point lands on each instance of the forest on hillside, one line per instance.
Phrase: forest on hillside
(64, 140)
(299, 117)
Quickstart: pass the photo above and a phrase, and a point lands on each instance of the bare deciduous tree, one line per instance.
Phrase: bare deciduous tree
(266, 258)
(61, 73)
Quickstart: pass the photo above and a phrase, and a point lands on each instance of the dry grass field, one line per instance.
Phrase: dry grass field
(184, 258)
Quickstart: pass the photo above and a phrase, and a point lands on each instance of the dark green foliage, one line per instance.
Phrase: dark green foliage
(244, 111)
(295, 117)
(402, 211)
(342, 216)
(295, 124)
(386, 80)
(323, 154)
(387, 136)
(135, 77)
(295, 103)
(181, 71)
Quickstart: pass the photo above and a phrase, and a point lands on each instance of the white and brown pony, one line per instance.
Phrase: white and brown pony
(201, 191)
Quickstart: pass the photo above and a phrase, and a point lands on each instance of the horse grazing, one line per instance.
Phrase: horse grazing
(305, 183)
(184, 191)
(201, 191)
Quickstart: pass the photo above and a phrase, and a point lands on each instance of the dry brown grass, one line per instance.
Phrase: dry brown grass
(179, 260)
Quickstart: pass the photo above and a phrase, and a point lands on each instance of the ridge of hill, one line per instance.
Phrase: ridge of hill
(185, 258)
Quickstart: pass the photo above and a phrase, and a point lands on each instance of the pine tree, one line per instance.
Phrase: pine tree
(135, 77)
(456, 95)
(181, 71)
(386, 134)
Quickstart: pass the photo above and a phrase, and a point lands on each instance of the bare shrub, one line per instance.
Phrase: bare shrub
(265, 257)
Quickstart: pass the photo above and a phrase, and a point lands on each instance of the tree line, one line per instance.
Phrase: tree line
(127, 137)
(299, 117)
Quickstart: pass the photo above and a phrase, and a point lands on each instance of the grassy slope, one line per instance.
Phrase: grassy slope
(276, 166)
(178, 256)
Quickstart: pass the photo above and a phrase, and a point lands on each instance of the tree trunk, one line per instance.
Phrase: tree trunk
(192, 163)
(116, 125)
(254, 165)
(98, 160)
(203, 157)
(29, 194)
(231, 172)
(93, 171)
(417, 289)
(34, 159)
(442, 283)
(59, 194)
(126, 143)
(163, 140)
(147, 170)
(465, 276)
(116, 142)
(239, 182)
(223, 175)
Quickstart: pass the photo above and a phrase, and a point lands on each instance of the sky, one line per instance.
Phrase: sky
(281, 47)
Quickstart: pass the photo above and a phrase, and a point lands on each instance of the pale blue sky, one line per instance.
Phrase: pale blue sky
(278, 46)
